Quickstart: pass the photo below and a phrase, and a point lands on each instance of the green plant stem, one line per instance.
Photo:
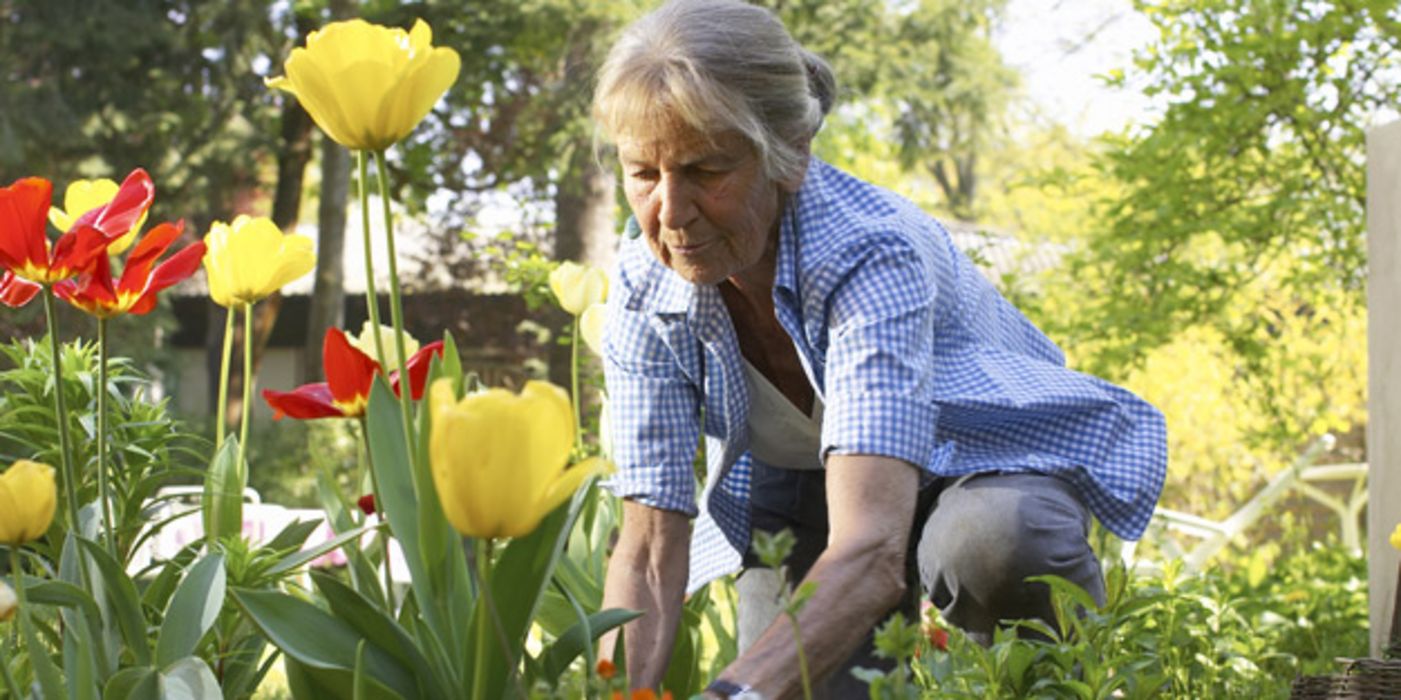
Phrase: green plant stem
(483, 569)
(574, 387)
(103, 487)
(10, 683)
(396, 307)
(247, 388)
(379, 509)
(70, 476)
(221, 413)
(371, 297)
(802, 658)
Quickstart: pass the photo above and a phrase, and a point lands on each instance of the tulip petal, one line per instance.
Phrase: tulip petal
(28, 498)
(23, 243)
(306, 402)
(177, 267)
(569, 480)
(349, 372)
(16, 292)
(418, 365)
(130, 204)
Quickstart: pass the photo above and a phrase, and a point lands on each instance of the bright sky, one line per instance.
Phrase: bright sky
(1061, 45)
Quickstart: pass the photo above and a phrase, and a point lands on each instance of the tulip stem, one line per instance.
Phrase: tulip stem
(247, 389)
(379, 509)
(103, 487)
(483, 557)
(396, 307)
(5, 667)
(221, 415)
(371, 297)
(574, 388)
(70, 483)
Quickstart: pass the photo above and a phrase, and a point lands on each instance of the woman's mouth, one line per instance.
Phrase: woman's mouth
(690, 249)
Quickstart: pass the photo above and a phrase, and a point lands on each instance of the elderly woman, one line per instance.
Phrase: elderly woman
(855, 378)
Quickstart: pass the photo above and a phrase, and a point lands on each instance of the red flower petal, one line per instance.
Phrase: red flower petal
(419, 364)
(349, 372)
(177, 267)
(303, 403)
(132, 200)
(24, 210)
(15, 291)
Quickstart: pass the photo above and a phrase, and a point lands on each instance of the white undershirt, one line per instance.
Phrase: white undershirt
(780, 435)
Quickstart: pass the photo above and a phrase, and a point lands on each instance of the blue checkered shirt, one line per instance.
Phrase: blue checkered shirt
(913, 352)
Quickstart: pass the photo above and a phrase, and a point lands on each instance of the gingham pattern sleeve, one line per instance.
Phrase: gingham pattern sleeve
(653, 415)
(880, 368)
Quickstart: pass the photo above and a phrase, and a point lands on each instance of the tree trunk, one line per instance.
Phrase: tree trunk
(328, 295)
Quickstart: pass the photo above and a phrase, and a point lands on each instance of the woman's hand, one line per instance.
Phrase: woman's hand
(648, 572)
(860, 576)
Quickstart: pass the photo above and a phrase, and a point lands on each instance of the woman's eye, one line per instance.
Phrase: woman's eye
(644, 174)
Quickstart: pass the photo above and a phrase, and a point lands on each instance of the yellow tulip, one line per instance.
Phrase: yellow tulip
(501, 460)
(27, 500)
(368, 86)
(250, 259)
(1396, 537)
(578, 286)
(81, 197)
(591, 324)
(8, 602)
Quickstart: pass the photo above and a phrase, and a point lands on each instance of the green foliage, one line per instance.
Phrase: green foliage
(1227, 633)
(148, 448)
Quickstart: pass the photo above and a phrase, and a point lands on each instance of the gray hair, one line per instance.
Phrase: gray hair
(717, 66)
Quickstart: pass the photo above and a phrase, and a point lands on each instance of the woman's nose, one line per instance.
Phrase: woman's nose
(677, 208)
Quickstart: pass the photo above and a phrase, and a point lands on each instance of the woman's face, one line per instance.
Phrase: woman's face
(704, 204)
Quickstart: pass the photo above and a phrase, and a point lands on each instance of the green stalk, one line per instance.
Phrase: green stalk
(371, 298)
(70, 476)
(396, 306)
(221, 418)
(247, 388)
(483, 570)
(103, 488)
(10, 683)
(574, 387)
(802, 658)
(379, 508)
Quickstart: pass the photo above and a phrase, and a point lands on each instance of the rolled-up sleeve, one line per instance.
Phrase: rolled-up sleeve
(653, 415)
(880, 359)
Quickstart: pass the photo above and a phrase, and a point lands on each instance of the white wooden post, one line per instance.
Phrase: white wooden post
(1383, 371)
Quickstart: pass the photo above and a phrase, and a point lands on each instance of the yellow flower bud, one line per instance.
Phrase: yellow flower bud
(1396, 536)
(591, 324)
(81, 197)
(578, 286)
(250, 259)
(28, 497)
(368, 86)
(501, 460)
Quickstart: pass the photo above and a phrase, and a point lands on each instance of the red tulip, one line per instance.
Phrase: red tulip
(349, 375)
(25, 249)
(141, 278)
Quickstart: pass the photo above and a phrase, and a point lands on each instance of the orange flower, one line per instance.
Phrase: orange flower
(606, 669)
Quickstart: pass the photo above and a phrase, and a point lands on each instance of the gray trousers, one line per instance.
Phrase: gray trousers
(973, 543)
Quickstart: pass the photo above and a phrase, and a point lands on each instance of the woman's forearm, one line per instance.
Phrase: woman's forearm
(648, 573)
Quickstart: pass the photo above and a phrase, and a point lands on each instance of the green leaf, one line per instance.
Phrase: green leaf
(359, 687)
(192, 610)
(321, 641)
(80, 659)
(222, 504)
(50, 680)
(294, 535)
(122, 600)
(298, 559)
(311, 683)
(384, 631)
(138, 683)
(556, 658)
(190, 679)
